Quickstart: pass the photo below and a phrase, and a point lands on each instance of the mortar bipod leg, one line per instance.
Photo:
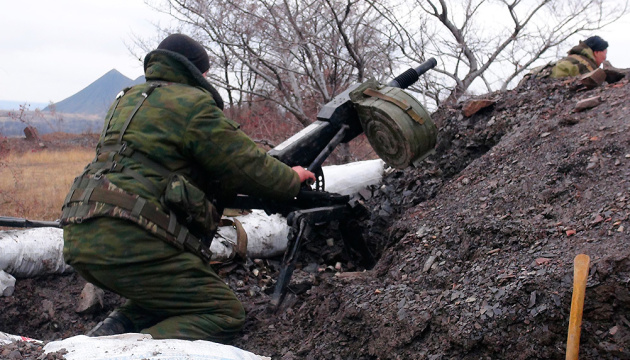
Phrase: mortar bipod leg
(288, 261)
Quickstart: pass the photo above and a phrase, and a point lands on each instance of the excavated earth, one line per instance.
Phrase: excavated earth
(475, 248)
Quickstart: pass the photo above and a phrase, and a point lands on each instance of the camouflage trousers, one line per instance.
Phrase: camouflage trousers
(175, 298)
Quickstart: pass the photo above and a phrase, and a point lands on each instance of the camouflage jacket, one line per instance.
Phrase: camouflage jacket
(579, 61)
(180, 125)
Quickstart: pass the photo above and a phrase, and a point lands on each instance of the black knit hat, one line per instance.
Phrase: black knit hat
(188, 47)
(596, 43)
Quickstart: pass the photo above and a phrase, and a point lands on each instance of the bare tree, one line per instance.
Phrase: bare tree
(296, 54)
(492, 41)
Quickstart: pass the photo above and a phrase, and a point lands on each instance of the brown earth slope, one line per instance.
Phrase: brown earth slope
(476, 248)
(479, 253)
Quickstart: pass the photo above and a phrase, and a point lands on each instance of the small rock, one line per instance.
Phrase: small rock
(91, 300)
(598, 219)
(428, 263)
(532, 299)
(587, 103)
(473, 107)
(594, 78)
(613, 330)
(366, 194)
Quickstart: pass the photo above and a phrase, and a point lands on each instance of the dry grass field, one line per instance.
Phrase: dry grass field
(34, 184)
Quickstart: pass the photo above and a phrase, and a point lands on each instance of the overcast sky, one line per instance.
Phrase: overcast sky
(51, 50)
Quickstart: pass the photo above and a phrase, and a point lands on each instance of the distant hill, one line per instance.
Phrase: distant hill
(82, 112)
(96, 98)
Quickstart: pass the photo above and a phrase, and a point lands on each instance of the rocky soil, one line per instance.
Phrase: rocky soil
(475, 248)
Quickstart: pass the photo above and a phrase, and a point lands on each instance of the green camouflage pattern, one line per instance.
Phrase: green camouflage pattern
(75, 214)
(580, 61)
(190, 203)
(180, 127)
(175, 298)
(109, 201)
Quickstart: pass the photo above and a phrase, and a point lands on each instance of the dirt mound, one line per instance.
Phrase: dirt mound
(476, 248)
(479, 243)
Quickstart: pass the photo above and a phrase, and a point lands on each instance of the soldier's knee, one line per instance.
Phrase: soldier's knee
(227, 325)
(237, 315)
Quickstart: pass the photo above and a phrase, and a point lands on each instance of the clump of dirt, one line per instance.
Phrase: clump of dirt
(475, 247)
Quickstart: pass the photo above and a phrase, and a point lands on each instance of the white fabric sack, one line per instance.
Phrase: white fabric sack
(38, 251)
(349, 179)
(8, 338)
(142, 346)
(266, 234)
(7, 284)
(30, 252)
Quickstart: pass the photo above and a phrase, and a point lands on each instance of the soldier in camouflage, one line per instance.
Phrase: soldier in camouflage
(118, 232)
(587, 56)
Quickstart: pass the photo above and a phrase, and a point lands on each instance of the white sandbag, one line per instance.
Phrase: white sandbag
(30, 252)
(349, 179)
(267, 236)
(8, 338)
(7, 284)
(142, 346)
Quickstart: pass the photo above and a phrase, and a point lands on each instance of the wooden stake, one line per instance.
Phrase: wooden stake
(580, 275)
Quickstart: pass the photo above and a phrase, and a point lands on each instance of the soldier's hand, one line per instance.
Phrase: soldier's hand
(304, 174)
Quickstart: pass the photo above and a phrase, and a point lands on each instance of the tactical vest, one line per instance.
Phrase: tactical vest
(92, 195)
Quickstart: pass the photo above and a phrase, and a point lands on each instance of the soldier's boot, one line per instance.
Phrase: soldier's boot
(115, 323)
